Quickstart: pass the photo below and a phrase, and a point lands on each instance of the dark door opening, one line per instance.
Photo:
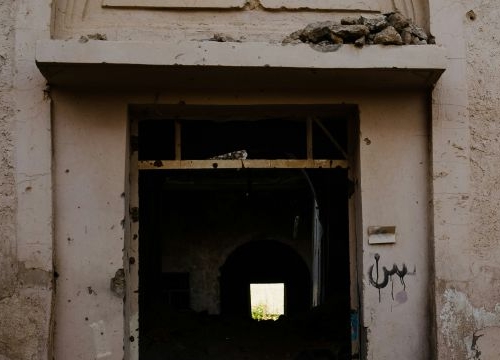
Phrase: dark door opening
(265, 261)
(207, 234)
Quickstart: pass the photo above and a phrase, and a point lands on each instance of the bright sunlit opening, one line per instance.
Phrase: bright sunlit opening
(267, 301)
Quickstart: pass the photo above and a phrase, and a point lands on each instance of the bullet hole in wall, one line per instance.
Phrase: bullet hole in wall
(471, 15)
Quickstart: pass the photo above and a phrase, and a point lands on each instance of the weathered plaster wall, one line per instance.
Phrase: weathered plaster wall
(483, 49)
(394, 192)
(89, 177)
(7, 184)
(464, 162)
(251, 22)
(25, 185)
(466, 172)
(90, 142)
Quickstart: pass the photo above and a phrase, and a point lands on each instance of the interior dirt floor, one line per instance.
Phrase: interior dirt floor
(187, 335)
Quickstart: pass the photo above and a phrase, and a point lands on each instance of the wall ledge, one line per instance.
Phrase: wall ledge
(350, 5)
(118, 63)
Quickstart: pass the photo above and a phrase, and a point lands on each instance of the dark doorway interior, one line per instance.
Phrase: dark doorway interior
(264, 261)
(205, 235)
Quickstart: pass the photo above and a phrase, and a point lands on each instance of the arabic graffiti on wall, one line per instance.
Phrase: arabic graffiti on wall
(383, 276)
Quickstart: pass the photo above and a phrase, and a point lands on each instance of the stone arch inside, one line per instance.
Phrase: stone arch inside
(264, 261)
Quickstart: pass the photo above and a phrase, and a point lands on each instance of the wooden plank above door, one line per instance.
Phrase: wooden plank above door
(238, 164)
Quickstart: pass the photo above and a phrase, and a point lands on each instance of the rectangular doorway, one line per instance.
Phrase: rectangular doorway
(235, 196)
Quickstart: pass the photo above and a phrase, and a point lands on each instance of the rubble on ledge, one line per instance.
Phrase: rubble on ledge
(387, 29)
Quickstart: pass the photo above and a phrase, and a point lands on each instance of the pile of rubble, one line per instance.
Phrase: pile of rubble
(387, 29)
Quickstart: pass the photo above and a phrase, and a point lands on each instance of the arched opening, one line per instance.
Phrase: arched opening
(264, 261)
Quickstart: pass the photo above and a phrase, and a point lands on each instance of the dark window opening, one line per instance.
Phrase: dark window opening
(207, 235)
(275, 138)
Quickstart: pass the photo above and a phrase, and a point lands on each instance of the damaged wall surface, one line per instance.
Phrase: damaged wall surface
(248, 21)
(466, 176)
(82, 191)
(26, 273)
(89, 231)
(427, 166)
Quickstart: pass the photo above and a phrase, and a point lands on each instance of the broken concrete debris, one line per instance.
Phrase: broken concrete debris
(375, 24)
(234, 155)
(387, 29)
(388, 36)
(96, 36)
(398, 21)
(219, 37)
(349, 32)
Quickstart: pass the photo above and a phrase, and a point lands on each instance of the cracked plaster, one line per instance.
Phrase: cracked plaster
(465, 109)
(466, 150)
(25, 260)
(462, 325)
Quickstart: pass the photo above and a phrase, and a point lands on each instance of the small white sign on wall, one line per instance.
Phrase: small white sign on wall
(381, 235)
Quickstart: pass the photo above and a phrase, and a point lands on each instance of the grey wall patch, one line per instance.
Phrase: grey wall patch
(101, 342)
(462, 323)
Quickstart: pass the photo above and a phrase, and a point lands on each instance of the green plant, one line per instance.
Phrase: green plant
(260, 312)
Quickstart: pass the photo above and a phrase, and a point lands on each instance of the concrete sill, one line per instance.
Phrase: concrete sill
(216, 64)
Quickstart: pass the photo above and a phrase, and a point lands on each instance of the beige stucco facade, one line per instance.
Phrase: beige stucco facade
(424, 160)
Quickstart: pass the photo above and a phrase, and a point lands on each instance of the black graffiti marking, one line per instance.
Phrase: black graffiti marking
(474, 347)
(387, 276)
(375, 283)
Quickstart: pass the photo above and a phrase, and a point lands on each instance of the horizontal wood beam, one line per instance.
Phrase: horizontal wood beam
(238, 164)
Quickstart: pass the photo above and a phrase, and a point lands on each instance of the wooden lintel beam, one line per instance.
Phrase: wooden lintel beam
(238, 164)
